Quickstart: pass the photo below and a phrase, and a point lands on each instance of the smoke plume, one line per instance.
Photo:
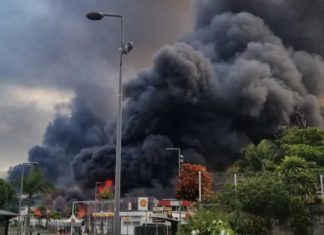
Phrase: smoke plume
(226, 83)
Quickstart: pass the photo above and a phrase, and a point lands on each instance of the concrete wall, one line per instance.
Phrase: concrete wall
(317, 215)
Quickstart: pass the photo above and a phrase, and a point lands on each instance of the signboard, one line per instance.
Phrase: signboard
(158, 221)
(158, 208)
(167, 210)
(103, 214)
(142, 203)
(174, 203)
(72, 221)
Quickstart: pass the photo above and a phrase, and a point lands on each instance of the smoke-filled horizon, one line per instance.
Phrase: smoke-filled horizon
(226, 83)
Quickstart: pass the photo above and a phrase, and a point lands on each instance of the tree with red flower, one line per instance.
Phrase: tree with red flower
(188, 183)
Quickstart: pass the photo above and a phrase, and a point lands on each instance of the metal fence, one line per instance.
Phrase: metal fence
(221, 178)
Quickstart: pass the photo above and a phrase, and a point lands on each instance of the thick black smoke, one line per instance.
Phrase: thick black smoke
(225, 84)
(228, 85)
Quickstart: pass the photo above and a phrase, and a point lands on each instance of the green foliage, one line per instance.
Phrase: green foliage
(206, 222)
(251, 225)
(68, 212)
(310, 136)
(264, 195)
(296, 172)
(300, 221)
(257, 157)
(7, 193)
(282, 182)
(42, 208)
(317, 199)
(306, 143)
(106, 194)
(269, 197)
(34, 184)
(55, 215)
(293, 165)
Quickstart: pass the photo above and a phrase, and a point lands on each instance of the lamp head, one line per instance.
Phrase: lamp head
(126, 49)
(95, 16)
(181, 158)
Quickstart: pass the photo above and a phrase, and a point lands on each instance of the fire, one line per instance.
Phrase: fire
(81, 212)
(37, 212)
(106, 185)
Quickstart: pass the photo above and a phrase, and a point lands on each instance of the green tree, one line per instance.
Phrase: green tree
(56, 215)
(305, 143)
(34, 184)
(106, 194)
(296, 172)
(68, 212)
(7, 193)
(268, 197)
(257, 157)
(206, 222)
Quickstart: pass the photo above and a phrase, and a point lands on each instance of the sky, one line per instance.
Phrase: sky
(48, 50)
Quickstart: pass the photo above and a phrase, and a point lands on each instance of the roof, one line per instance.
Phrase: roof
(8, 213)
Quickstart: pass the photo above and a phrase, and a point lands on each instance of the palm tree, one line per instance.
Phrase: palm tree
(257, 156)
(34, 184)
(296, 172)
(55, 215)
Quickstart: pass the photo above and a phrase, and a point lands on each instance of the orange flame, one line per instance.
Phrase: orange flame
(81, 212)
(106, 185)
(37, 212)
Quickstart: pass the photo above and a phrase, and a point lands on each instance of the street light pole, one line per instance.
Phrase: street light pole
(95, 218)
(124, 50)
(180, 157)
(72, 215)
(180, 160)
(21, 191)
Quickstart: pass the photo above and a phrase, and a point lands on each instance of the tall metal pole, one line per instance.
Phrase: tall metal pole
(119, 134)
(123, 50)
(179, 158)
(20, 198)
(199, 186)
(21, 191)
(95, 218)
(180, 204)
(72, 216)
